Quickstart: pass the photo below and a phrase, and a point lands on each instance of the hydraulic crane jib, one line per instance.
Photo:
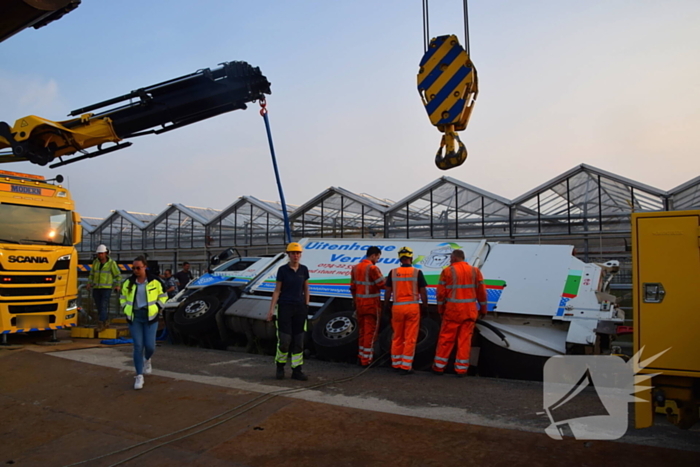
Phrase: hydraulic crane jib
(151, 110)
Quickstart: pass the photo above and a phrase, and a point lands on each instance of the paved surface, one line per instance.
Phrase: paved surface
(61, 410)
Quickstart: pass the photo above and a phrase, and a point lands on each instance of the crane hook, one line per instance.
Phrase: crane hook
(448, 86)
(454, 156)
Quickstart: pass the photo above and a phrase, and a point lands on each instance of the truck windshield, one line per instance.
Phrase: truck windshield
(35, 225)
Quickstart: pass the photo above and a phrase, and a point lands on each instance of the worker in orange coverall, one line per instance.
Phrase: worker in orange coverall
(366, 283)
(406, 284)
(461, 299)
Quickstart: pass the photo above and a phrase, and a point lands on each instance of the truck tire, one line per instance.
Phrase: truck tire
(335, 336)
(428, 333)
(197, 314)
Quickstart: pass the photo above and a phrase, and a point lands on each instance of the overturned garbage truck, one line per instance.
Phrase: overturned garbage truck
(542, 301)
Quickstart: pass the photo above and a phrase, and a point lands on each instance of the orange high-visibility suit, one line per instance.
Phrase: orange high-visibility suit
(366, 283)
(461, 296)
(405, 316)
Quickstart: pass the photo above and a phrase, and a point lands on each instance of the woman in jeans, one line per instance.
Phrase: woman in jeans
(141, 299)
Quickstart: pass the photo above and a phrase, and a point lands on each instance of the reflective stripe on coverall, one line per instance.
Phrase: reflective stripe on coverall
(366, 282)
(460, 288)
(405, 316)
(291, 326)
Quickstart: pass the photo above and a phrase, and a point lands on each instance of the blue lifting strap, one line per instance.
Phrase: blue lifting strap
(287, 229)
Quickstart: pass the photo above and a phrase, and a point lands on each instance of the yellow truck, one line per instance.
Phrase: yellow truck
(666, 261)
(38, 260)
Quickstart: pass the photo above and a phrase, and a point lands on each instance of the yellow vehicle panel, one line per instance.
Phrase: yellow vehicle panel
(666, 255)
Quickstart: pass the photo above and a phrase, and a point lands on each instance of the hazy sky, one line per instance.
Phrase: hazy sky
(611, 83)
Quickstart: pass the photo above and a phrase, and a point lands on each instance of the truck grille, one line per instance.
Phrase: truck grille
(26, 291)
(16, 309)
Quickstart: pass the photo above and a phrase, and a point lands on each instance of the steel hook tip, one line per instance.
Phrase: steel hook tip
(450, 159)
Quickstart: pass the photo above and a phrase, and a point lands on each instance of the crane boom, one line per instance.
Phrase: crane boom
(151, 110)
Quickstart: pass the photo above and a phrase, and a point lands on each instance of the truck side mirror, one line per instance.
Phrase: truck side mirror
(77, 229)
(226, 254)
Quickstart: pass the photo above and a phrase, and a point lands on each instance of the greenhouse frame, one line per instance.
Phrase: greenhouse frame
(586, 207)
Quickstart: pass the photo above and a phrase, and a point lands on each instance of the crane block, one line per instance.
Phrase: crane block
(448, 86)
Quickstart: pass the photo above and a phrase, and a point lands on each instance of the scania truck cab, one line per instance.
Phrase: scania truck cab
(38, 261)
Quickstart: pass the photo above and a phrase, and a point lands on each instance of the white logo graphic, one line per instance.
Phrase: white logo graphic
(587, 396)
(439, 257)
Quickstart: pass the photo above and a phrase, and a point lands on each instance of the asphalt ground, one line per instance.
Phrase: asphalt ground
(57, 411)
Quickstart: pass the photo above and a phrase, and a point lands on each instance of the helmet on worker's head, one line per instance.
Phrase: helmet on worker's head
(101, 249)
(405, 252)
(294, 246)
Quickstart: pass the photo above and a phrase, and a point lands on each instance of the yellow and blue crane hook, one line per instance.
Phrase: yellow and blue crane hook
(448, 86)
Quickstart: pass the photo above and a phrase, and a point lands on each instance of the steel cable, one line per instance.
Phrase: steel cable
(426, 26)
(466, 27)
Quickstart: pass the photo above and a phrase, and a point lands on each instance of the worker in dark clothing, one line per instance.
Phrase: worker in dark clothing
(291, 296)
(183, 277)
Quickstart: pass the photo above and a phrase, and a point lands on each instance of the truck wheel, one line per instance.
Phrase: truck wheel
(196, 314)
(335, 336)
(428, 333)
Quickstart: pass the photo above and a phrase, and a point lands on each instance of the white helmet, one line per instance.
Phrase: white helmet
(101, 249)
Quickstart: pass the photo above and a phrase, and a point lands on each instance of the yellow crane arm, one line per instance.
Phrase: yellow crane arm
(151, 110)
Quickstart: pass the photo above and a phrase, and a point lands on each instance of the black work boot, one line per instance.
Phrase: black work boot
(280, 371)
(298, 375)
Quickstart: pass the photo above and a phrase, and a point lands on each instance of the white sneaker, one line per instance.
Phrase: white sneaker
(147, 367)
(138, 383)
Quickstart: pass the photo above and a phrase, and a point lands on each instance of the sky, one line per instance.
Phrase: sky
(611, 83)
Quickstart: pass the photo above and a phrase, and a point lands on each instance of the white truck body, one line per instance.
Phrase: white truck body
(540, 296)
(229, 272)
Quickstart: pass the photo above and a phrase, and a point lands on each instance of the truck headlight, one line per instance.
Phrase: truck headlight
(71, 316)
(64, 258)
(72, 304)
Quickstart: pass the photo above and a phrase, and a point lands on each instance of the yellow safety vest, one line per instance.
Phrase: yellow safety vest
(104, 276)
(154, 294)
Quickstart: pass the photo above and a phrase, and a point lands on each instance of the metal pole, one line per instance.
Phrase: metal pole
(407, 216)
(431, 214)
(342, 217)
(456, 212)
